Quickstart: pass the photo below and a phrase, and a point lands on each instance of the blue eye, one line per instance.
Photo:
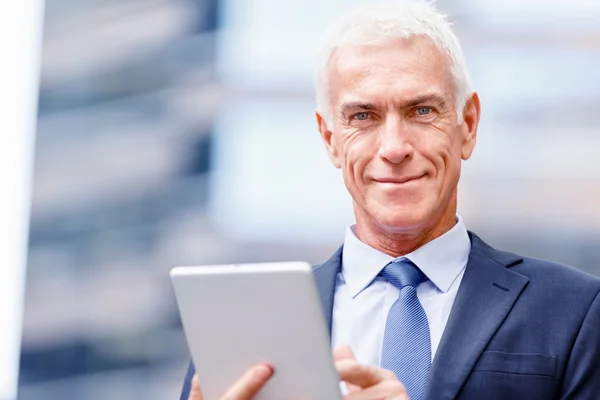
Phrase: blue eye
(361, 116)
(423, 110)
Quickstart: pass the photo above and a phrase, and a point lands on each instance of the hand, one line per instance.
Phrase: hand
(244, 389)
(365, 382)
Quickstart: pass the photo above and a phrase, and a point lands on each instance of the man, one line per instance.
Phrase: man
(426, 309)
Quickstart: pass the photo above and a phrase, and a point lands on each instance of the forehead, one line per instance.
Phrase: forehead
(398, 68)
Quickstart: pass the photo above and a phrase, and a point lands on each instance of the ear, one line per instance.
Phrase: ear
(329, 140)
(471, 115)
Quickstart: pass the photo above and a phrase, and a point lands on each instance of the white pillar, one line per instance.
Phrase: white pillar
(20, 50)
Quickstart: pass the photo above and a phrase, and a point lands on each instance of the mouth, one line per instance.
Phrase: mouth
(399, 180)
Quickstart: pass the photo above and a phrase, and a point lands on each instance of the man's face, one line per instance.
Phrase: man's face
(395, 132)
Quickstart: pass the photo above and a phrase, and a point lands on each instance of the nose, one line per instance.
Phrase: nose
(394, 144)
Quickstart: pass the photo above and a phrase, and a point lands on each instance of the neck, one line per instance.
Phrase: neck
(395, 242)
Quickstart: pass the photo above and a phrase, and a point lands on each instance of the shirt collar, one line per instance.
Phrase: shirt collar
(441, 260)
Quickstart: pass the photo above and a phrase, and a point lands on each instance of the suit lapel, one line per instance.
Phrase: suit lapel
(325, 276)
(487, 293)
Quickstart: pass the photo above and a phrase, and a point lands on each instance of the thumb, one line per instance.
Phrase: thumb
(195, 392)
(343, 352)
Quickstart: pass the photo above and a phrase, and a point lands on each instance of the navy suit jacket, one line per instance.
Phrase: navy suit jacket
(520, 328)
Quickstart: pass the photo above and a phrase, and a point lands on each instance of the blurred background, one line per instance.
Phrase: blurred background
(181, 132)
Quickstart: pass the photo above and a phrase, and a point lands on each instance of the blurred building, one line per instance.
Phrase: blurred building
(176, 132)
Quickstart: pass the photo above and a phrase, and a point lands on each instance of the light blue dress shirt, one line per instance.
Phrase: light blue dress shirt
(363, 299)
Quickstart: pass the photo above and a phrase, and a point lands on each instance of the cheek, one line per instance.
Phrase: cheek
(443, 154)
(356, 149)
(449, 157)
(436, 148)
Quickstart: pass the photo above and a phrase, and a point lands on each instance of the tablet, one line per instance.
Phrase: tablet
(235, 316)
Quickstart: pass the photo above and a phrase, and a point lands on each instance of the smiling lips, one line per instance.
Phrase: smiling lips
(399, 180)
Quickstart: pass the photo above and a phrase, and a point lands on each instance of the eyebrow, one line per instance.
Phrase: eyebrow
(427, 98)
(356, 105)
(419, 100)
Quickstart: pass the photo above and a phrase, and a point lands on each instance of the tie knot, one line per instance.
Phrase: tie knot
(403, 273)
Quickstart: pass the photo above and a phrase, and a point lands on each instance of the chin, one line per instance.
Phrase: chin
(401, 219)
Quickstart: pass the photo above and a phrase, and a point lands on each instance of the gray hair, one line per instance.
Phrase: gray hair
(401, 19)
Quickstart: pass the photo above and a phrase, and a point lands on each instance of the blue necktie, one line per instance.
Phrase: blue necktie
(406, 342)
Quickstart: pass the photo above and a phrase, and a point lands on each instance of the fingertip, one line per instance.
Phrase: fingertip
(343, 352)
(195, 391)
(250, 382)
(345, 365)
(263, 372)
(341, 347)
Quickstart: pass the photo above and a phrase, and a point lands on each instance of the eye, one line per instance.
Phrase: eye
(361, 116)
(424, 110)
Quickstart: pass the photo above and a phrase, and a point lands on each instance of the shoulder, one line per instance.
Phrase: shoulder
(546, 275)
(553, 271)
(559, 283)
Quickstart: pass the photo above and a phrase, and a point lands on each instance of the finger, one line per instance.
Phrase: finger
(362, 375)
(343, 352)
(250, 383)
(195, 392)
(388, 390)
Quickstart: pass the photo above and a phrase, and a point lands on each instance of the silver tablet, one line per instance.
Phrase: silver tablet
(235, 316)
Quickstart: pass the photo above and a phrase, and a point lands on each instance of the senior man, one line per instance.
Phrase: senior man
(417, 305)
